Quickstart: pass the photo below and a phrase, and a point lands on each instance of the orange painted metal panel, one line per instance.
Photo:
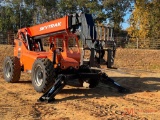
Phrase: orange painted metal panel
(49, 27)
(27, 58)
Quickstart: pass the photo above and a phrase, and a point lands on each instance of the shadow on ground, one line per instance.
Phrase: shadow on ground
(135, 84)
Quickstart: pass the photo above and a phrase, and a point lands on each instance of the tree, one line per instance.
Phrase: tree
(144, 21)
(30, 12)
(116, 10)
(13, 15)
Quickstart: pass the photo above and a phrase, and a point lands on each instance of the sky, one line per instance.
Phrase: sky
(125, 24)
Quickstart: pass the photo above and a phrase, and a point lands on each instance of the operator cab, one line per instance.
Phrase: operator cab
(31, 43)
(66, 51)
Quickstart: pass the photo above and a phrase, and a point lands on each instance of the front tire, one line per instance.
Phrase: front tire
(11, 69)
(42, 74)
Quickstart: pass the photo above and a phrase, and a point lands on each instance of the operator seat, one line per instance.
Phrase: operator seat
(38, 45)
(33, 44)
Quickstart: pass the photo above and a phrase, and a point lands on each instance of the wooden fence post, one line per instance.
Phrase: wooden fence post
(137, 43)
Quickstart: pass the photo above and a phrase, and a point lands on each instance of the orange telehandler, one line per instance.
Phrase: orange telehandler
(51, 69)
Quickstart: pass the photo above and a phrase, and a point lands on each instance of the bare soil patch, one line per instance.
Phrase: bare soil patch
(137, 70)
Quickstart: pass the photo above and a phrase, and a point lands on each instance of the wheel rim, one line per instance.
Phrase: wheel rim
(38, 75)
(7, 70)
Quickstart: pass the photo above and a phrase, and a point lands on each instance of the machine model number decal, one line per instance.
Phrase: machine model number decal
(50, 26)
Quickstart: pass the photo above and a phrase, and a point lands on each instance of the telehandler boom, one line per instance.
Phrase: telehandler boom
(64, 60)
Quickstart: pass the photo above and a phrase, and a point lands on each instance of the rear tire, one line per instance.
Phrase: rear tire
(11, 69)
(43, 74)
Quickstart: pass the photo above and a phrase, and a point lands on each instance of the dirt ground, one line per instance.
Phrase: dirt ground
(137, 70)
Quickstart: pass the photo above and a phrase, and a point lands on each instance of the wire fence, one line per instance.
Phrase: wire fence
(123, 42)
(138, 43)
(7, 38)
